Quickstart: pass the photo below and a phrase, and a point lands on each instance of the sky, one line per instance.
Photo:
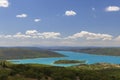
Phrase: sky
(60, 23)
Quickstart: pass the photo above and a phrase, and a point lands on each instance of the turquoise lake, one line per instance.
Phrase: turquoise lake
(90, 59)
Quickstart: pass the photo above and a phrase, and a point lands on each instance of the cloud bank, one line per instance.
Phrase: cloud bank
(33, 34)
(91, 36)
(36, 38)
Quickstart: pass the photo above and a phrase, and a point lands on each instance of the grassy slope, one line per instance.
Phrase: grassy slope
(21, 53)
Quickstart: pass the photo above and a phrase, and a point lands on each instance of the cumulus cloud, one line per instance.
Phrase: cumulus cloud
(50, 35)
(37, 20)
(34, 34)
(21, 16)
(70, 13)
(57, 35)
(20, 35)
(4, 3)
(90, 36)
(112, 8)
(31, 32)
(34, 37)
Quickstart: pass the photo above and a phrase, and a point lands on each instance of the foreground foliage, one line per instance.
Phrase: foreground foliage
(102, 71)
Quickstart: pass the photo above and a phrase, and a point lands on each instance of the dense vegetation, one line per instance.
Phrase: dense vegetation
(43, 72)
(23, 53)
(68, 62)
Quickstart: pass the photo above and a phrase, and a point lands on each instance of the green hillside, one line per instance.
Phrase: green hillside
(99, 51)
(23, 53)
(100, 71)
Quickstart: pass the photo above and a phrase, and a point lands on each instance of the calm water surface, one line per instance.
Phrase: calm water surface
(90, 59)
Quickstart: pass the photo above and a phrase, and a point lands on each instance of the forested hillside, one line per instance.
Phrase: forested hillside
(24, 53)
(100, 51)
(101, 71)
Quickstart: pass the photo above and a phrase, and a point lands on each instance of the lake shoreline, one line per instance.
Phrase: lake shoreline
(90, 59)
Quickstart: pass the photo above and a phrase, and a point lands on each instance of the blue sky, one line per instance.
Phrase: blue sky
(59, 23)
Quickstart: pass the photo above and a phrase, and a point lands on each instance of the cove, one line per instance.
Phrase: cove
(90, 59)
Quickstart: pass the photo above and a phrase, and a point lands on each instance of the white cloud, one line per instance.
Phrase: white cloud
(34, 37)
(90, 36)
(50, 35)
(117, 38)
(21, 16)
(37, 20)
(70, 13)
(4, 3)
(57, 35)
(20, 35)
(8, 36)
(31, 32)
(112, 8)
(44, 35)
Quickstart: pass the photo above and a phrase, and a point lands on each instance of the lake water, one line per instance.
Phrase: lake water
(90, 59)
